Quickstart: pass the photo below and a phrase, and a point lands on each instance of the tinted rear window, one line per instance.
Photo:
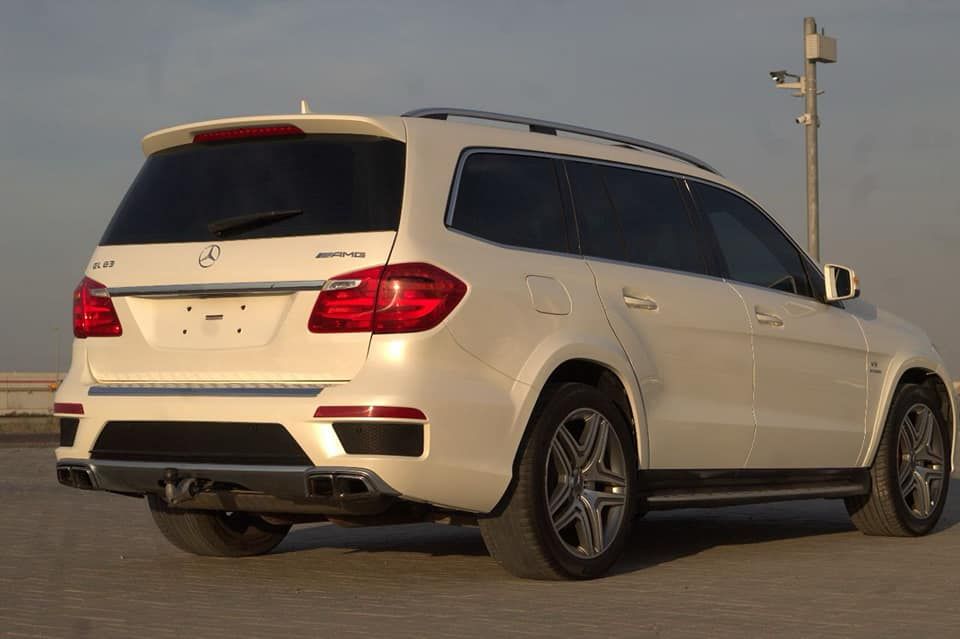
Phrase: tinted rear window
(343, 184)
(631, 215)
(601, 234)
(656, 225)
(511, 199)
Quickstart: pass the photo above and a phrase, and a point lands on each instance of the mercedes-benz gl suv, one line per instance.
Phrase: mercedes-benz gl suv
(544, 330)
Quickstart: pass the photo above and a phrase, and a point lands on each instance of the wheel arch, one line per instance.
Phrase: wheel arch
(601, 377)
(914, 371)
(598, 365)
(588, 366)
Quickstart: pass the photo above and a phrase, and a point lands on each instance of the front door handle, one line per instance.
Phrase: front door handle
(769, 319)
(643, 303)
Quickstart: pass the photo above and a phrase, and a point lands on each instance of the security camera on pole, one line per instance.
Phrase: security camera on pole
(816, 48)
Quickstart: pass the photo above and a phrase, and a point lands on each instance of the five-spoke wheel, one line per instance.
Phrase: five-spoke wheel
(910, 474)
(568, 514)
(921, 454)
(586, 482)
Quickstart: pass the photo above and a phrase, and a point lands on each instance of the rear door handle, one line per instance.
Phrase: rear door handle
(769, 319)
(643, 303)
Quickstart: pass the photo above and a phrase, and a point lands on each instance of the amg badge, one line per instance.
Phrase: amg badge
(325, 254)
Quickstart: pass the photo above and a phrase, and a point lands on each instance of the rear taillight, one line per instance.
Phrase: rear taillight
(93, 312)
(345, 305)
(247, 132)
(398, 298)
(415, 297)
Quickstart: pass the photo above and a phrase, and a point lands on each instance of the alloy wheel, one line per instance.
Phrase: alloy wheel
(586, 483)
(920, 457)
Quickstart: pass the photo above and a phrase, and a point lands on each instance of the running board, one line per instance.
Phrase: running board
(667, 489)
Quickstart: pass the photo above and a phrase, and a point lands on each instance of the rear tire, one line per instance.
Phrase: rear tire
(214, 533)
(569, 513)
(911, 472)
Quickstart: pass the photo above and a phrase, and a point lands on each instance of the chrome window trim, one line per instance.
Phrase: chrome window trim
(514, 247)
(661, 269)
(808, 298)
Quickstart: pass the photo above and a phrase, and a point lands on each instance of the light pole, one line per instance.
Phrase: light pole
(817, 47)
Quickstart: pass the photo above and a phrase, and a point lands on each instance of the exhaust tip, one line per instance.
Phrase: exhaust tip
(80, 477)
(350, 485)
(320, 485)
(337, 485)
(64, 476)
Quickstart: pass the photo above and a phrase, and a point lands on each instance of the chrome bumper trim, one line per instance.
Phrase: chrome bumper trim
(205, 390)
(213, 290)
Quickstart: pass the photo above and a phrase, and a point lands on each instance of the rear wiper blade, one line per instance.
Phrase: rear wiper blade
(243, 223)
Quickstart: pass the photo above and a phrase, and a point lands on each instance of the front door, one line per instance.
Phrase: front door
(811, 357)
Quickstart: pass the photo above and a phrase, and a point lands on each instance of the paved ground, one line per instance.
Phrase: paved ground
(76, 564)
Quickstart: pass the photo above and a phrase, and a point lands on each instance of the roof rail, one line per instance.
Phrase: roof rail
(551, 128)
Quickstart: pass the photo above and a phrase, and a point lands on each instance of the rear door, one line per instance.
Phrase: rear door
(686, 332)
(811, 356)
(215, 256)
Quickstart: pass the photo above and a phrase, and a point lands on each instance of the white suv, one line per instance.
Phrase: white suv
(373, 320)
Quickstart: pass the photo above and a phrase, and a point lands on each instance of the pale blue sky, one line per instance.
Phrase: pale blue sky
(82, 82)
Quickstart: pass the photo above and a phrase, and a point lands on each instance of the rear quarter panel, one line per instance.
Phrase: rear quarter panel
(498, 322)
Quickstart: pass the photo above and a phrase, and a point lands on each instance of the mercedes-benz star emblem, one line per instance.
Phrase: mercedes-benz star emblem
(209, 256)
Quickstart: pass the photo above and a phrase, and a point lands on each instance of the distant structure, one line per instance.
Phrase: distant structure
(26, 394)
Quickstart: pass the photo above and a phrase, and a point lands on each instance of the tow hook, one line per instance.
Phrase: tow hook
(176, 489)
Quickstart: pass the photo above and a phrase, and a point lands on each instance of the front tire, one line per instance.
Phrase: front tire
(570, 510)
(214, 533)
(911, 472)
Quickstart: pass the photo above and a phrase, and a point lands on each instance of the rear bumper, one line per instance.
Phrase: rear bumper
(475, 417)
(286, 489)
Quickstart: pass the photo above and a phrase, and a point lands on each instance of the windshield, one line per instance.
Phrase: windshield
(340, 183)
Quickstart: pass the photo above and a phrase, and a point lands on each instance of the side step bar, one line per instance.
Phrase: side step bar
(669, 489)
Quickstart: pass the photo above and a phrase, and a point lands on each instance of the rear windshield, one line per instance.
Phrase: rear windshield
(318, 184)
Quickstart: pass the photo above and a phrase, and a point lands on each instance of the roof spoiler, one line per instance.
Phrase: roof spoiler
(385, 127)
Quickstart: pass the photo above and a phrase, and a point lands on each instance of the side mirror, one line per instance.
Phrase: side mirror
(842, 283)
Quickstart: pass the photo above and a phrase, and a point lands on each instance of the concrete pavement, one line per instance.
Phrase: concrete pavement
(78, 564)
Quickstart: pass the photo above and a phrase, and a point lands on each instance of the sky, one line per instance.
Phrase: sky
(82, 82)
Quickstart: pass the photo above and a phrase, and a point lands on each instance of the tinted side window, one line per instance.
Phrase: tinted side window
(754, 249)
(656, 226)
(511, 199)
(600, 232)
